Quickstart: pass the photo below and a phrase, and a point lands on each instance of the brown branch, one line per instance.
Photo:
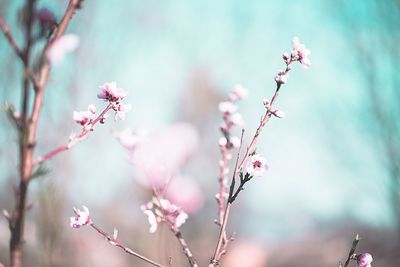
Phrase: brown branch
(116, 243)
(28, 132)
(186, 250)
(10, 38)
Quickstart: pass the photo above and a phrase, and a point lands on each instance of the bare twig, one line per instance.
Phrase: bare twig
(10, 38)
(116, 243)
(186, 250)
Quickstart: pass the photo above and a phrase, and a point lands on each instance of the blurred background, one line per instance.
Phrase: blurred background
(334, 160)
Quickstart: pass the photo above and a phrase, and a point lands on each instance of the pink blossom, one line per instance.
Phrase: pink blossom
(237, 119)
(120, 111)
(256, 165)
(81, 218)
(364, 260)
(186, 193)
(281, 77)
(238, 93)
(130, 138)
(227, 107)
(222, 141)
(162, 155)
(152, 220)
(60, 47)
(110, 92)
(173, 213)
(85, 117)
(300, 52)
(235, 141)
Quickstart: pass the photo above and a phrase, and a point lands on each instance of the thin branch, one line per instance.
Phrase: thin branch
(186, 250)
(352, 250)
(85, 131)
(116, 243)
(10, 38)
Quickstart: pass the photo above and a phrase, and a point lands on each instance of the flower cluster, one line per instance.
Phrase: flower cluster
(162, 210)
(110, 93)
(84, 118)
(231, 117)
(81, 218)
(363, 259)
(299, 53)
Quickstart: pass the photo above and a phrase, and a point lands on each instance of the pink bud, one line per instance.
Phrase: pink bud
(364, 260)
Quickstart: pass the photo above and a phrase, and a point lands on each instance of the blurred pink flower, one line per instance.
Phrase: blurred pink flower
(110, 92)
(186, 193)
(160, 157)
(81, 218)
(364, 260)
(256, 165)
(61, 46)
(84, 117)
(237, 119)
(238, 93)
(235, 141)
(227, 107)
(300, 52)
(246, 254)
(130, 138)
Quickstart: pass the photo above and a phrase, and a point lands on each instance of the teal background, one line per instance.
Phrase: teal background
(327, 166)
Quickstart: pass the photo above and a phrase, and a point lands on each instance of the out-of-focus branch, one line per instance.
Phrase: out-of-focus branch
(30, 122)
(116, 243)
(10, 38)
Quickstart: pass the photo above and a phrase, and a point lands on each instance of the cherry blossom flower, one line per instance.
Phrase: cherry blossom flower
(281, 77)
(173, 213)
(120, 111)
(81, 218)
(238, 93)
(110, 92)
(152, 220)
(164, 210)
(237, 119)
(300, 52)
(131, 138)
(364, 260)
(222, 141)
(85, 117)
(256, 165)
(61, 46)
(235, 141)
(227, 107)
